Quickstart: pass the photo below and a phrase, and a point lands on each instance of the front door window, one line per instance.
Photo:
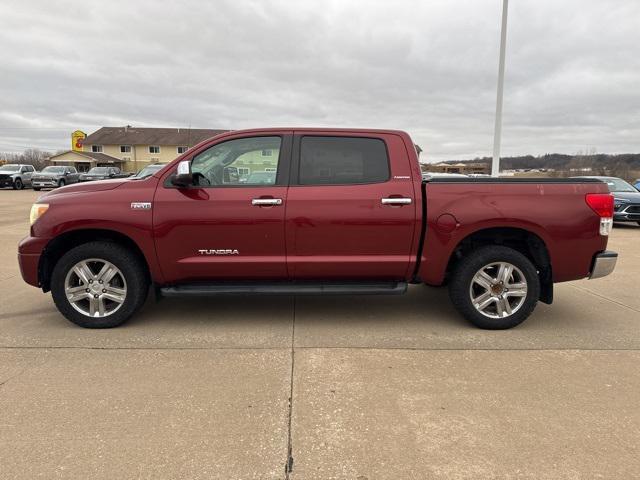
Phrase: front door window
(227, 163)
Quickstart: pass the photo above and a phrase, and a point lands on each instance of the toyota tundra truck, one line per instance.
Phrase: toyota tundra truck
(332, 211)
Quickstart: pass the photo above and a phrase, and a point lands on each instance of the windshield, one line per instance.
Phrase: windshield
(148, 171)
(53, 170)
(9, 168)
(98, 171)
(619, 185)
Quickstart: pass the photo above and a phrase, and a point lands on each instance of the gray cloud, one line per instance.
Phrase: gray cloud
(428, 67)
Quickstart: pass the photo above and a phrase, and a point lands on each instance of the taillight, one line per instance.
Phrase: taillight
(602, 204)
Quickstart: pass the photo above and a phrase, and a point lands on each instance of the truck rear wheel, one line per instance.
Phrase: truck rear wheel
(495, 287)
(99, 285)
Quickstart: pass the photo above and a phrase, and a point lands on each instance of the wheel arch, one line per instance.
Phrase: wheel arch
(527, 242)
(73, 238)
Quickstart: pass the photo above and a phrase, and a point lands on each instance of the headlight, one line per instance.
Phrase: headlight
(37, 210)
(619, 202)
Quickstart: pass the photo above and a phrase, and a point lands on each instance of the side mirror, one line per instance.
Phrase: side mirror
(183, 177)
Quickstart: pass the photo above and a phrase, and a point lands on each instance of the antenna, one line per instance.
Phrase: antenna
(497, 136)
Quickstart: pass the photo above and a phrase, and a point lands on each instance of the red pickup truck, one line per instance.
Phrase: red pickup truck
(314, 211)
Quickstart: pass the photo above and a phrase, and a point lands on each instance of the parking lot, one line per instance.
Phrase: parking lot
(349, 387)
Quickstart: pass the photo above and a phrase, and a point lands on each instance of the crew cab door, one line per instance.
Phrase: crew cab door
(351, 208)
(27, 173)
(231, 225)
(71, 175)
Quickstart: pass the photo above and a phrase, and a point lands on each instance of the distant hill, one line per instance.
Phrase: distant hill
(602, 163)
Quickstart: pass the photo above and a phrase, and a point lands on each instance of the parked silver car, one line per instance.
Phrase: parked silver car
(16, 176)
(55, 176)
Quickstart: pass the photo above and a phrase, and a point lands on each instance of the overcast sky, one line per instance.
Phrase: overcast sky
(428, 67)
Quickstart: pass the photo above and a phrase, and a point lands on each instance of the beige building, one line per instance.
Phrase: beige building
(132, 148)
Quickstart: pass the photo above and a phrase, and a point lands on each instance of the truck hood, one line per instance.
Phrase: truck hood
(86, 187)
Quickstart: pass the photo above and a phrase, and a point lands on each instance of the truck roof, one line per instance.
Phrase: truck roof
(316, 130)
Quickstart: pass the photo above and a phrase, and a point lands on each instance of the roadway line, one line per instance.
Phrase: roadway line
(288, 465)
(409, 349)
(583, 289)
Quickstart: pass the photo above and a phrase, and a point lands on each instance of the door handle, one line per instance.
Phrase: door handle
(396, 201)
(266, 202)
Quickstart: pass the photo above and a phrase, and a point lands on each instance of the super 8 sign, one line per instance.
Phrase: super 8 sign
(77, 138)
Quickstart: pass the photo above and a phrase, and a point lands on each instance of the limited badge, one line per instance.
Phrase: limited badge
(140, 205)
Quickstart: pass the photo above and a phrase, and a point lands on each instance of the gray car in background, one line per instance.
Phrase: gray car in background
(55, 176)
(102, 173)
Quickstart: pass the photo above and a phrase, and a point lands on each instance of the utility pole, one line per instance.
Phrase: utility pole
(497, 136)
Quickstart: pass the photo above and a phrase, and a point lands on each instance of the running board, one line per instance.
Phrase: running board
(302, 288)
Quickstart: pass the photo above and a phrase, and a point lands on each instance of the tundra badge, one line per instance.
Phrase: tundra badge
(223, 251)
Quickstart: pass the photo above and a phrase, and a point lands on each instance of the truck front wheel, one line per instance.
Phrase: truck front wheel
(495, 287)
(99, 285)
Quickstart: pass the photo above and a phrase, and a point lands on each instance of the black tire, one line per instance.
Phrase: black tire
(468, 266)
(129, 264)
(61, 182)
(37, 189)
(17, 184)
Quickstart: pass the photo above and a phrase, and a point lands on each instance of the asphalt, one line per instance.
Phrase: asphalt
(347, 387)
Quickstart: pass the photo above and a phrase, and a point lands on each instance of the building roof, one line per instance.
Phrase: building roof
(150, 136)
(98, 157)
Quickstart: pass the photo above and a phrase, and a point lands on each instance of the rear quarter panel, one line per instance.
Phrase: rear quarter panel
(557, 213)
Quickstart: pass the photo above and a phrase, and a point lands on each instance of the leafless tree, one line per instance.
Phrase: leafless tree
(31, 156)
(35, 157)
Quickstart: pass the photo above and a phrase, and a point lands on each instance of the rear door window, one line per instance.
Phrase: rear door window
(342, 160)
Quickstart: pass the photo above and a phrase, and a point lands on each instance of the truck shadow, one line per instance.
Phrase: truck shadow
(626, 225)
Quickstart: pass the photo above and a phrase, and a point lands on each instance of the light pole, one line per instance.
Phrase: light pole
(497, 136)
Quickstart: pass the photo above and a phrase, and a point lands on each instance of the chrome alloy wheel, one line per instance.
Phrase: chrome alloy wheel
(498, 290)
(95, 287)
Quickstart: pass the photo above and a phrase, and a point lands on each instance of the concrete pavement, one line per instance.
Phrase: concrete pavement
(386, 387)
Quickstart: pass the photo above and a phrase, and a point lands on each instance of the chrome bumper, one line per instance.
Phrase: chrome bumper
(603, 264)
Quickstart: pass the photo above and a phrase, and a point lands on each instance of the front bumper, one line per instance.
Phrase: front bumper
(6, 182)
(603, 264)
(627, 213)
(44, 183)
(29, 252)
